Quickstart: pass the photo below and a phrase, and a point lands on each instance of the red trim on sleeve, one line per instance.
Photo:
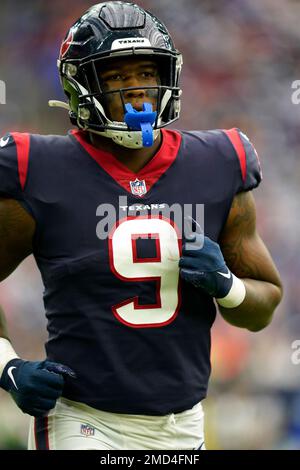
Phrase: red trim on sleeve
(22, 143)
(237, 143)
(150, 173)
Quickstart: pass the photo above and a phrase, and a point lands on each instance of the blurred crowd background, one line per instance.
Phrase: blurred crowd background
(240, 60)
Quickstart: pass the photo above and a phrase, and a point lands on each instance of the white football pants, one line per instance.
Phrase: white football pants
(72, 425)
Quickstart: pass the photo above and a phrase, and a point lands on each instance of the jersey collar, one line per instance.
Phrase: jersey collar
(149, 174)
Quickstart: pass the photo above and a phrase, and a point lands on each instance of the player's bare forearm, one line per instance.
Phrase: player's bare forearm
(249, 259)
(16, 233)
(3, 327)
(256, 311)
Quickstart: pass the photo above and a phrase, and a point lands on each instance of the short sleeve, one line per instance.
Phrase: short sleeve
(245, 152)
(14, 151)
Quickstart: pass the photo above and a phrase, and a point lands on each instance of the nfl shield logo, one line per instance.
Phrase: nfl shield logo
(138, 188)
(87, 430)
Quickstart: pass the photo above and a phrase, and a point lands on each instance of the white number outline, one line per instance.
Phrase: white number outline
(144, 279)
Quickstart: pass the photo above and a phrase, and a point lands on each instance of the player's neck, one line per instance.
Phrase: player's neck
(134, 159)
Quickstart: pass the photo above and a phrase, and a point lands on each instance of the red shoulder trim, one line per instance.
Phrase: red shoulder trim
(22, 143)
(237, 143)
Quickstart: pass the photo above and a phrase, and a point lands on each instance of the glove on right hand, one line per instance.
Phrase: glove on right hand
(34, 386)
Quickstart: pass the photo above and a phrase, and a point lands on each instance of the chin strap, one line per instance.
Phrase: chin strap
(125, 138)
(142, 121)
(141, 133)
(58, 104)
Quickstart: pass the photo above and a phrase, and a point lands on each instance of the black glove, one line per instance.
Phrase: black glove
(206, 268)
(34, 386)
(202, 263)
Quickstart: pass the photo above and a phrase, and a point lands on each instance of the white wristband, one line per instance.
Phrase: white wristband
(235, 296)
(7, 353)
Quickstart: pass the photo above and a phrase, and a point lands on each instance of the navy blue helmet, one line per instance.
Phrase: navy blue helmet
(105, 32)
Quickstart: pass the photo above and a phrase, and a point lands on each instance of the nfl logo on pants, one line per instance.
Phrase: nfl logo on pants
(87, 430)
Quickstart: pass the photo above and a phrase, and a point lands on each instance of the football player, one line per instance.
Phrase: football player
(129, 314)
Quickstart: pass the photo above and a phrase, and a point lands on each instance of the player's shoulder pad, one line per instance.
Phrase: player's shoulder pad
(244, 150)
(14, 157)
(207, 137)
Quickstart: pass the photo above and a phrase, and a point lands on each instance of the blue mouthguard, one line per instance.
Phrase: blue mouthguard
(141, 120)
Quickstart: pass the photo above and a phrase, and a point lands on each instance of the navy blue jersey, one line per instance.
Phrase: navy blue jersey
(118, 314)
